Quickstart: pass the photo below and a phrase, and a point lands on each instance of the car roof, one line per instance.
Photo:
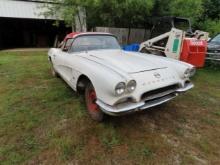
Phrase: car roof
(76, 34)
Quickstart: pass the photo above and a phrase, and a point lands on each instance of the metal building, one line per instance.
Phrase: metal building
(22, 24)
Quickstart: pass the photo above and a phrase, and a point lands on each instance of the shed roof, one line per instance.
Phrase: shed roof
(22, 9)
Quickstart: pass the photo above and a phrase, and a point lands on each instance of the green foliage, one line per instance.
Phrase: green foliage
(210, 19)
(211, 9)
(161, 8)
(119, 13)
(204, 14)
(186, 8)
(66, 10)
(211, 26)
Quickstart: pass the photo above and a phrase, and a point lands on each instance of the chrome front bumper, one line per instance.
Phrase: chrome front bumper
(213, 56)
(130, 107)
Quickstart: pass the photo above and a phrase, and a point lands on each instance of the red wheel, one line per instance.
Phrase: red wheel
(93, 109)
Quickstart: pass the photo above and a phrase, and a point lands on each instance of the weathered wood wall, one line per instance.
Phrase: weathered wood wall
(126, 35)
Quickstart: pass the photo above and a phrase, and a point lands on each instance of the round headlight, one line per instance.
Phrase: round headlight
(131, 86)
(192, 71)
(189, 72)
(120, 88)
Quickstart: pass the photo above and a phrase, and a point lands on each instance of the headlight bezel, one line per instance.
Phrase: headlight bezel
(131, 86)
(120, 88)
(189, 72)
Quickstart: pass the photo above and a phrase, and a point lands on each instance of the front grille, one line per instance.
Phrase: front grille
(213, 51)
(214, 55)
(159, 92)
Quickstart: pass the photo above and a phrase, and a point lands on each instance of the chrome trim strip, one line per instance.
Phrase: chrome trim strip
(186, 88)
(114, 109)
(214, 59)
(209, 53)
(147, 70)
(132, 107)
(158, 101)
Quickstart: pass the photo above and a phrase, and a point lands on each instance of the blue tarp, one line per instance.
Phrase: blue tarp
(131, 47)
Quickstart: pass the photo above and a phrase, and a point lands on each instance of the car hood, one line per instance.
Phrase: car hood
(129, 62)
(213, 46)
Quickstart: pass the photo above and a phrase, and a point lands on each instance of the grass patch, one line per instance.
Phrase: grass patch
(109, 136)
(209, 121)
(67, 148)
(217, 113)
(179, 131)
(42, 121)
(141, 151)
(204, 145)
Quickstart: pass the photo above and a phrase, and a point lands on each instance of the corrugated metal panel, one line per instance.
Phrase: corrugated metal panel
(22, 9)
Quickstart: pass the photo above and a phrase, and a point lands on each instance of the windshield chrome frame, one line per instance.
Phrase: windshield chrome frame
(92, 35)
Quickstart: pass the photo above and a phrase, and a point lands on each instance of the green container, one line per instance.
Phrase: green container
(176, 45)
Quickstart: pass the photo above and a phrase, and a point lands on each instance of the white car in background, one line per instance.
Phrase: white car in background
(117, 82)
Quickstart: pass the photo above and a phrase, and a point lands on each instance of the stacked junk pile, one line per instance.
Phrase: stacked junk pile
(173, 37)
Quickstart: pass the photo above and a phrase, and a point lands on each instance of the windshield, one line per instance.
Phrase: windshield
(216, 39)
(182, 24)
(94, 42)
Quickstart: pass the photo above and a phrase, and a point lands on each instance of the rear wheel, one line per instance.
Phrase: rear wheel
(92, 108)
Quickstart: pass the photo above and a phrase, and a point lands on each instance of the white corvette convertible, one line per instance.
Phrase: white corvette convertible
(114, 81)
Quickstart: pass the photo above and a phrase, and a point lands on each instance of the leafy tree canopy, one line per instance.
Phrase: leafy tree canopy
(204, 14)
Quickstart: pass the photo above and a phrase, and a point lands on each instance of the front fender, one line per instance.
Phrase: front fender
(178, 66)
(103, 79)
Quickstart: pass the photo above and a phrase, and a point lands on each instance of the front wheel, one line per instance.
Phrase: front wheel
(92, 108)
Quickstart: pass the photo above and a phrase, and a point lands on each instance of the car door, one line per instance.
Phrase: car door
(62, 61)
